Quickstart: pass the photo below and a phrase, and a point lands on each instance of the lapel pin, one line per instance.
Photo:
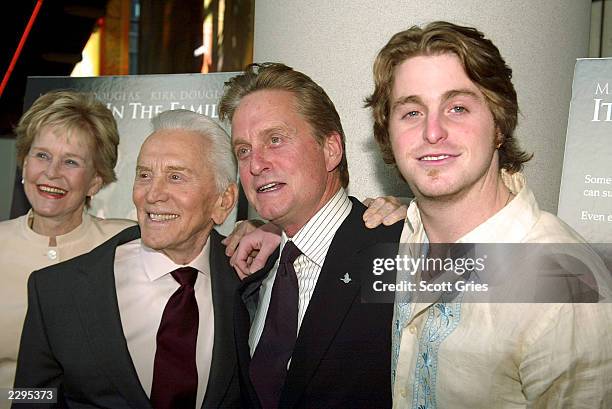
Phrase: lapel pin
(346, 279)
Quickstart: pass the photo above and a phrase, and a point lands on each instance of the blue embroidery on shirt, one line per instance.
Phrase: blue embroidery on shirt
(401, 312)
(401, 315)
(442, 319)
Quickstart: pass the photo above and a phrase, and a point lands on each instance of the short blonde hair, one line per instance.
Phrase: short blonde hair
(73, 111)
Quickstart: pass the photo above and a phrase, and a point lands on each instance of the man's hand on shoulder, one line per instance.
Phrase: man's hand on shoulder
(386, 210)
(250, 244)
(241, 229)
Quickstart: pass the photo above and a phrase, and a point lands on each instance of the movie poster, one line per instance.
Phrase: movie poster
(134, 100)
(585, 199)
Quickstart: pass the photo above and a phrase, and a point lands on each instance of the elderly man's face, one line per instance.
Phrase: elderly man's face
(175, 194)
(285, 172)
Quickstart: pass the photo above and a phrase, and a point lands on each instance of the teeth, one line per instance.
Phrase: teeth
(435, 157)
(267, 187)
(162, 217)
(50, 189)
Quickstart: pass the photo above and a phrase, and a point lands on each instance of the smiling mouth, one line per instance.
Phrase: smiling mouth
(162, 217)
(269, 187)
(55, 191)
(434, 157)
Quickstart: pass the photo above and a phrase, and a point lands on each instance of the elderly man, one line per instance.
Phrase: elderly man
(445, 111)
(132, 324)
(306, 340)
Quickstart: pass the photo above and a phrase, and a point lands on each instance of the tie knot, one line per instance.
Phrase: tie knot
(290, 253)
(185, 276)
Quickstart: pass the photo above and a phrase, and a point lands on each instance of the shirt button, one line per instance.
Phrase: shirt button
(403, 392)
(52, 254)
(412, 329)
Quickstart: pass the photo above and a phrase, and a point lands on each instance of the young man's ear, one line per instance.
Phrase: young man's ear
(225, 203)
(332, 147)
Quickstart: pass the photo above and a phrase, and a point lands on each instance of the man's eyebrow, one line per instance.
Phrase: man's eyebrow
(171, 168)
(174, 168)
(274, 129)
(460, 92)
(236, 140)
(414, 99)
(266, 132)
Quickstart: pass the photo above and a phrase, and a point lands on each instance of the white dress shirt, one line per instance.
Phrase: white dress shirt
(144, 286)
(313, 240)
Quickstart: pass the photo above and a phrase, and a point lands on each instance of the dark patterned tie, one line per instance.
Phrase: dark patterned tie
(175, 375)
(268, 367)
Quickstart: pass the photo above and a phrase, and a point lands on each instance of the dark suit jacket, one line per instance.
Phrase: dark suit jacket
(342, 356)
(73, 340)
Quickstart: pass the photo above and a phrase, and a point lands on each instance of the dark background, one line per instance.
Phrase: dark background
(162, 37)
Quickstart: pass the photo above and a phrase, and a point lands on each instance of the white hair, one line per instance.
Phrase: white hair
(220, 155)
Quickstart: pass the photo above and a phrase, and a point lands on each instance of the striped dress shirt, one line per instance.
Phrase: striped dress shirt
(313, 240)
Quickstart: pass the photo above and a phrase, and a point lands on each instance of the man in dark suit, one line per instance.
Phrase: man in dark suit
(305, 338)
(131, 324)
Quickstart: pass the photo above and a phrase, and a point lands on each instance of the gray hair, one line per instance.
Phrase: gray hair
(220, 155)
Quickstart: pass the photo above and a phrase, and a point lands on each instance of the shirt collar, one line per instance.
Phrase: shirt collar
(514, 221)
(315, 237)
(156, 264)
(510, 225)
(413, 221)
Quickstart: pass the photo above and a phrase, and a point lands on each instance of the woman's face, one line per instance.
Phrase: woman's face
(59, 174)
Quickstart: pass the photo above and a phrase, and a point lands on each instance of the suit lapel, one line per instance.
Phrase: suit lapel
(96, 301)
(331, 300)
(224, 284)
(241, 328)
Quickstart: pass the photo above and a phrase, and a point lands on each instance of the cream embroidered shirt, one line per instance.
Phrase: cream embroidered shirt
(502, 355)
